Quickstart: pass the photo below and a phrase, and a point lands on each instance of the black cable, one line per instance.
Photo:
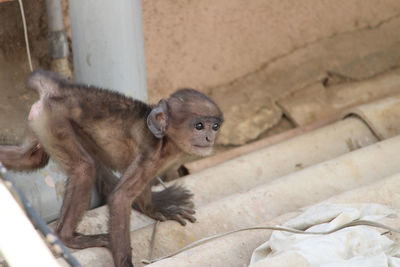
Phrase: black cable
(51, 238)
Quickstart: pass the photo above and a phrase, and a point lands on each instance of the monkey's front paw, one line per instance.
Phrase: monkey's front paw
(177, 213)
(172, 203)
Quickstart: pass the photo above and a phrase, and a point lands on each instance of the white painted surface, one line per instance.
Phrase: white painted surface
(107, 45)
(20, 244)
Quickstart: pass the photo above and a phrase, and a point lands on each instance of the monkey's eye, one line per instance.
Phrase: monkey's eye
(199, 126)
(215, 126)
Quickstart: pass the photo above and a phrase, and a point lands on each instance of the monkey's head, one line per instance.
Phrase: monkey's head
(189, 118)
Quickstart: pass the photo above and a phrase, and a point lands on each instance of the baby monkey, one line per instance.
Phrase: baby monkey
(91, 132)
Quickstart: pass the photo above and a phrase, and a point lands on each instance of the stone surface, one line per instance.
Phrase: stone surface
(360, 55)
(245, 120)
(317, 102)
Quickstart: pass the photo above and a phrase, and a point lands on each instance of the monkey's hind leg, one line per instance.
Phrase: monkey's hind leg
(29, 155)
(60, 141)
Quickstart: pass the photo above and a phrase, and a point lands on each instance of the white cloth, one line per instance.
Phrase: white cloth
(353, 246)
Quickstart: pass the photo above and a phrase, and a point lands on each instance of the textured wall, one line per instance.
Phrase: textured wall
(210, 43)
(249, 54)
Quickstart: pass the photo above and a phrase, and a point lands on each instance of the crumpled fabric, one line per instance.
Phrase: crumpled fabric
(354, 246)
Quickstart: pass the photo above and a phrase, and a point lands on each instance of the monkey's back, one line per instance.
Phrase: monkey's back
(97, 115)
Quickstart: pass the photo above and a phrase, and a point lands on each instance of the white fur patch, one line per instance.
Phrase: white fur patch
(35, 110)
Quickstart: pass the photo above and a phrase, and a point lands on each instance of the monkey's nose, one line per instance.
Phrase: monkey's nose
(209, 139)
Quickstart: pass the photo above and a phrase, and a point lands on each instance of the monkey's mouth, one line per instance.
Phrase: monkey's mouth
(202, 146)
(202, 150)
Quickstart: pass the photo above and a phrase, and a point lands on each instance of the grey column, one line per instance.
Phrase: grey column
(107, 45)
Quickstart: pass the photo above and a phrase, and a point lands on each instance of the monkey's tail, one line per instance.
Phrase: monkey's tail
(175, 195)
(44, 82)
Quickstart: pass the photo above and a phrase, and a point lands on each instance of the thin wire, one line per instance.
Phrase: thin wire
(153, 240)
(161, 181)
(28, 50)
(276, 228)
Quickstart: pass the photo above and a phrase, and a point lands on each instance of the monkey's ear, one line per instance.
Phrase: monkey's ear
(157, 121)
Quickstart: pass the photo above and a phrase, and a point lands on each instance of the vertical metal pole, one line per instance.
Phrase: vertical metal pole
(58, 43)
(108, 45)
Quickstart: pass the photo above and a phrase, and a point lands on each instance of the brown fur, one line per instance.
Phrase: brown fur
(90, 131)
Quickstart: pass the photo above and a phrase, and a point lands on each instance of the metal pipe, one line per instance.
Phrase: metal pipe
(55, 21)
(57, 37)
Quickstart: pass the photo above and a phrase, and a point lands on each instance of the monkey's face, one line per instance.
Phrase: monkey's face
(204, 132)
(196, 136)
(192, 122)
